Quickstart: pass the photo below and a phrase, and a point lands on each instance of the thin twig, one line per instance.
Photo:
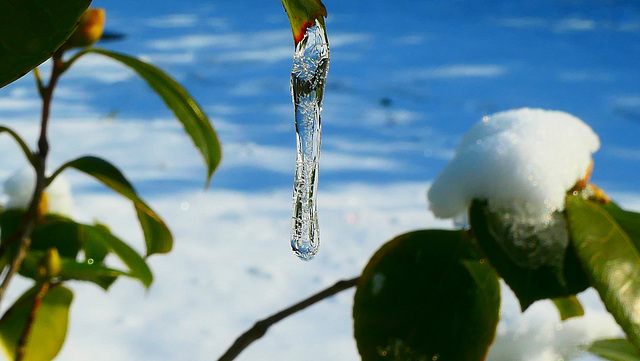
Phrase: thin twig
(28, 220)
(260, 328)
(26, 332)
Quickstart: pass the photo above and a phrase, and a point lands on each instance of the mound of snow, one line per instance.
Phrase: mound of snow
(522, 161)
(19, 188)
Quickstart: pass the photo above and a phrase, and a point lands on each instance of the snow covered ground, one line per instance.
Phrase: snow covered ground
(407, 79)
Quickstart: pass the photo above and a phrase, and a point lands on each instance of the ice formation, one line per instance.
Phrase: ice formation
(19, 190)
(522, 161)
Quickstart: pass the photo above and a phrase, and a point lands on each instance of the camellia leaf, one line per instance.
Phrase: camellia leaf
(628, 221)
(426, 295)
(610, 260)
(25, 149)
(100, 275)
(49, 329)
(536, 264)
(196, 124)
(92, 237)
(302, 14)
(619, 349)
(157, 235)
(32, 30)
(568, 307)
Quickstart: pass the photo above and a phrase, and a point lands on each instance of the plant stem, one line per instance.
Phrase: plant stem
(260, 328)
(24, 338)
(28, 220)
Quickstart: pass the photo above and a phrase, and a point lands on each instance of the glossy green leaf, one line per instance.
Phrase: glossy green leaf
(93, 238)
(195, 122)
(615, 350)
(568, 307)
(628, 221)
(421, 294)
(100, 275)
(25, 148)
(138, 268)
(49, 329)
(302, 14)
(31, 30)
(157, 236)
(610, 260)
(536, 264)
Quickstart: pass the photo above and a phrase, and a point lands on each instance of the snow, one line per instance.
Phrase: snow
(522, 161)
(19, 187)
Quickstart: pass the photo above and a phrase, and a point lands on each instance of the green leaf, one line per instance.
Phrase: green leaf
(610, 260)
(568, 307)
(157, 236)
(536, 264)
(184, 107)
(628, 221)
(25, 149)
(138, 268)
(421, 294)
(615, 350)
(92, 237)
(302, 14)
(31, 30)
(98, 274)
(49, 329)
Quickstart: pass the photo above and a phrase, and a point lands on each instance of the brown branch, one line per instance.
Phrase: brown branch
(21, 349)
(28, 220)
(260, 328)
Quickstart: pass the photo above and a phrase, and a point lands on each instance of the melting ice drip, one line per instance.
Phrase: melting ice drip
(308, 76)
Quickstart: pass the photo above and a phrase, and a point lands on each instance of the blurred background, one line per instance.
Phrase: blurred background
(406, 80)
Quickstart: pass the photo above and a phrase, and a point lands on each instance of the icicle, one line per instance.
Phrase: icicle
(308, 76)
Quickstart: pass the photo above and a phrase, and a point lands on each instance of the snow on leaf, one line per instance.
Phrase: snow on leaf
(522, 161)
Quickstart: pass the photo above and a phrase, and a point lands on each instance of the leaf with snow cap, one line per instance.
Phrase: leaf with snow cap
(422, 293)
(610, 260)
(537, 265)
(302, 14)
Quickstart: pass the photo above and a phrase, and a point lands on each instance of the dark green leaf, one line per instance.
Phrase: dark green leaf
(610, 260)
(536, 264)
(31, 30)
(157, 236)
(49, 329)
(138, 268)
(187, 111)
(25, 149)
(421, 294)
(628, 221)
(93, 238)
(100, 275)
(568, 307)
(615, 350)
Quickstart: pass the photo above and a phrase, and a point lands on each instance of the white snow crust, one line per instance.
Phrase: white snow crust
(19, 189)
(522, 161)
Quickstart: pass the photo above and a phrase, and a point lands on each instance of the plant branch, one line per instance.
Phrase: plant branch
(28, 220)
(26, 332)
(260, 328)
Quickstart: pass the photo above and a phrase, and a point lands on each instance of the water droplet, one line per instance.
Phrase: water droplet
(308, 77)
(90, 261)
(184, 206)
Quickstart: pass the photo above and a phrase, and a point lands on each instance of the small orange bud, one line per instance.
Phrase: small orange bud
(89, 29)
